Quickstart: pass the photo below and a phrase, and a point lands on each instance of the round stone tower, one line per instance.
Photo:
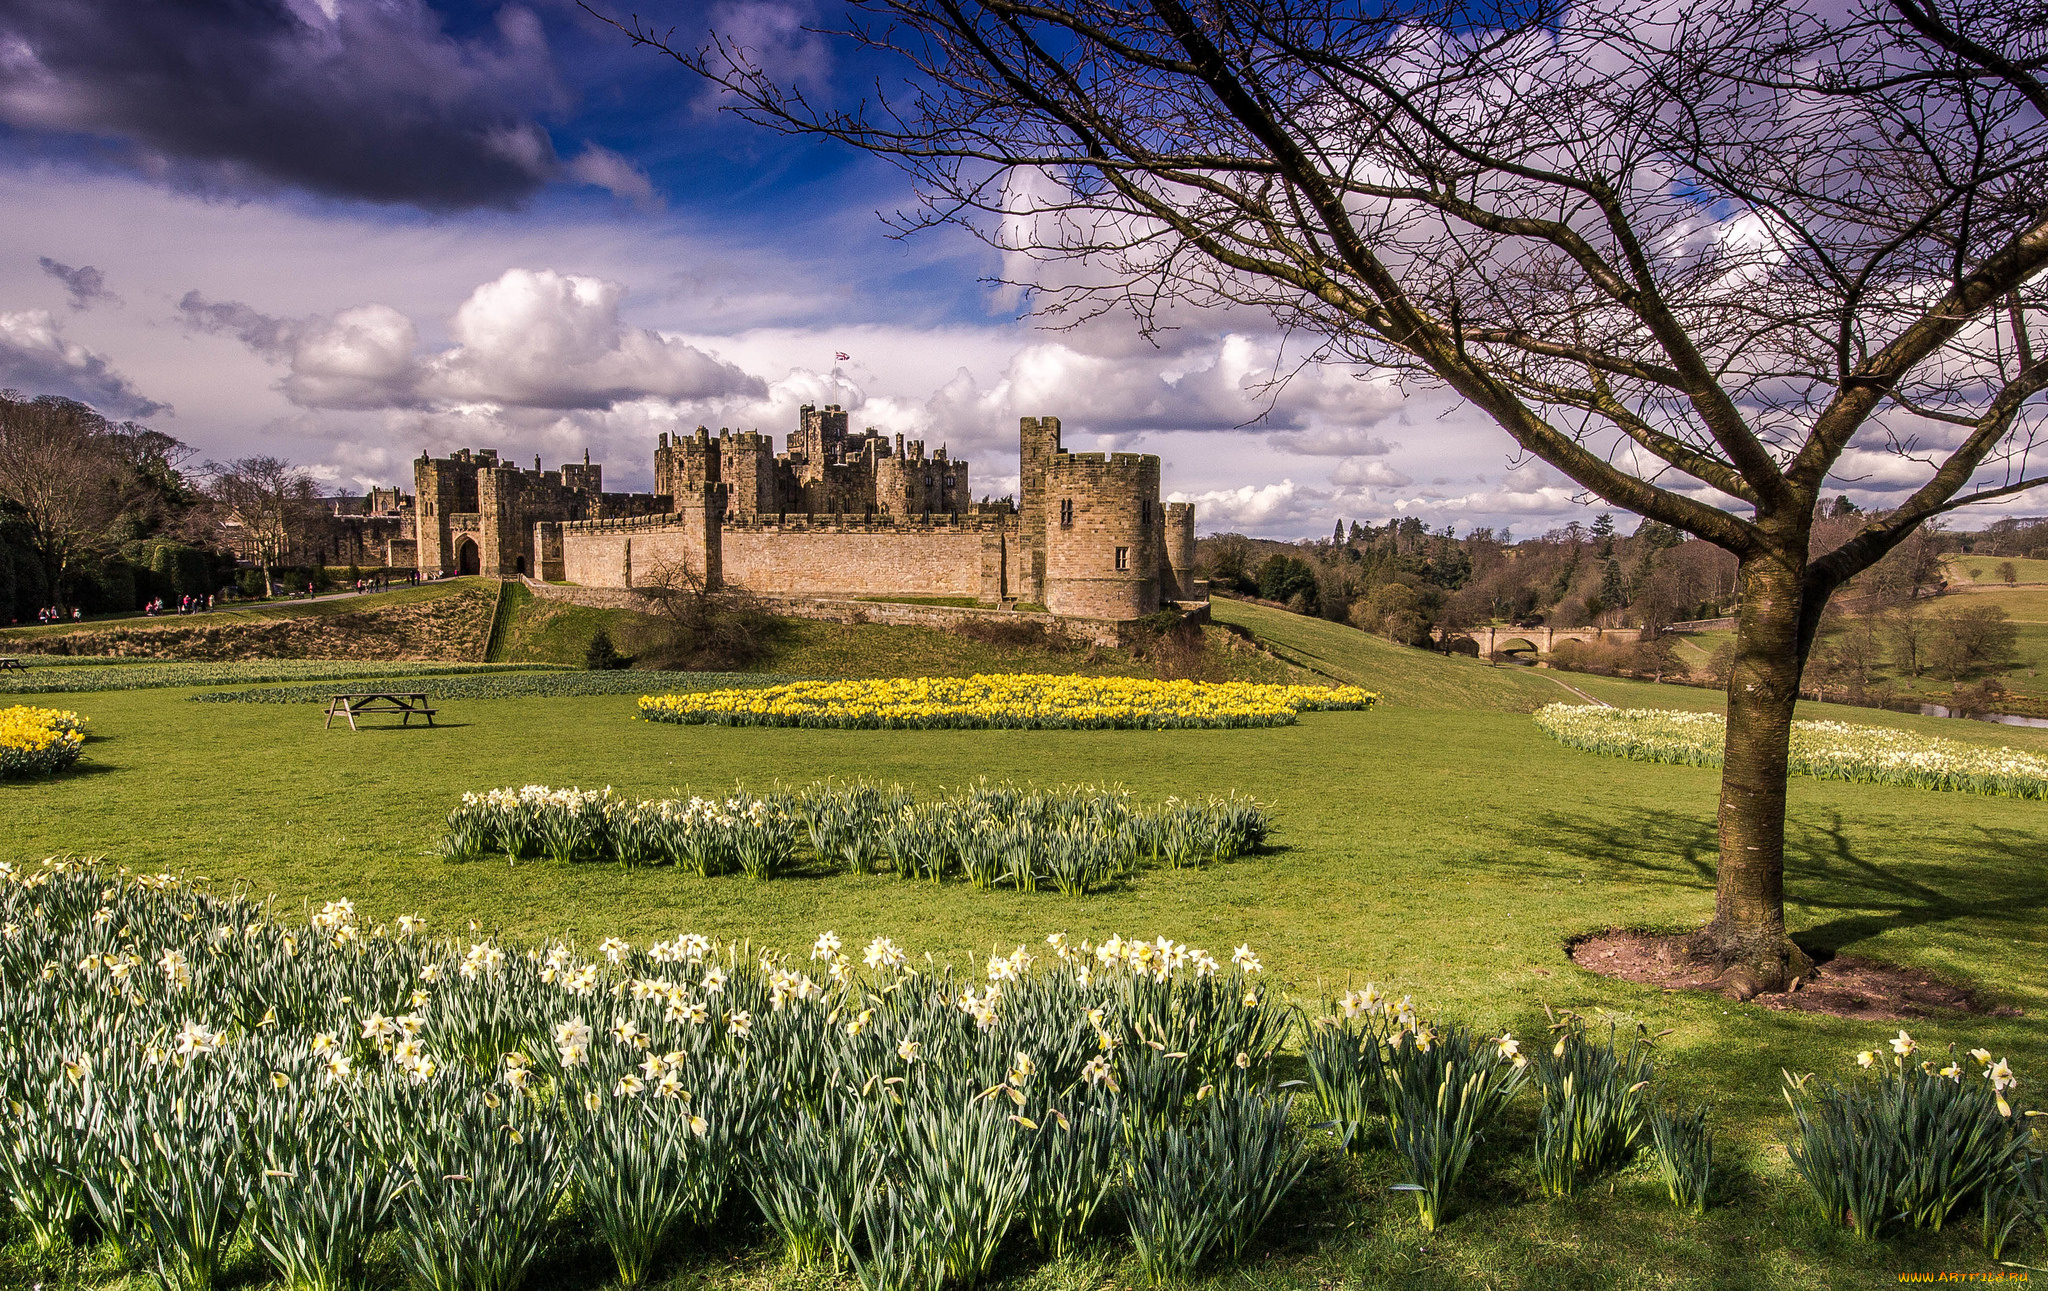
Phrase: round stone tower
(1180, 552)
(1103, 535)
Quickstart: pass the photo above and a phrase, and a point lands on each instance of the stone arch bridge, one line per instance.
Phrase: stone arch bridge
(1506, 640)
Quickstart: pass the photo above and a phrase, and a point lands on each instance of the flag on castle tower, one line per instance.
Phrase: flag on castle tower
(840, 356)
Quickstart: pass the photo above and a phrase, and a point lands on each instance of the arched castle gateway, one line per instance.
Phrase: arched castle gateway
(835, 515)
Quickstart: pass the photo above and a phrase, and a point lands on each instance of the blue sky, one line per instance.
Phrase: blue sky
(345, 231)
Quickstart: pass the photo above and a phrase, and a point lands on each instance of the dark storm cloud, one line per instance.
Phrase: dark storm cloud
(365, 99)
(36, 358)
(85, 283)
(273, 338)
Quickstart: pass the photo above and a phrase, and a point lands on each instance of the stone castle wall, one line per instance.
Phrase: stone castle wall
(631, 551)
(853, 558)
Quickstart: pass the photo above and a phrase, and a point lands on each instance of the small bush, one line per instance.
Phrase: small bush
(602, 656)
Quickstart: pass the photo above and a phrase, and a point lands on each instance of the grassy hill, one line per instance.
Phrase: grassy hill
(1985, 569)
(1404, 676)
(447, 620)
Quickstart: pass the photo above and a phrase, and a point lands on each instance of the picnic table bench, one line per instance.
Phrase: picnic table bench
(10, 662)
(412, 703)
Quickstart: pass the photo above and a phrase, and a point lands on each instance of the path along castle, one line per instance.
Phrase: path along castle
(834, 515)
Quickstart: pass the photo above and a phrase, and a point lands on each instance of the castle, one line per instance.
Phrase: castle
(835, 515)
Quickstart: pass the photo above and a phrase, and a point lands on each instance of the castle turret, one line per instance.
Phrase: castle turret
(1038, 442)
(1103, 535)
(1177, 578)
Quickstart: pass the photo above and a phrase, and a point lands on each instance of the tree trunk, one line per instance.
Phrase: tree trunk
(1747, 936)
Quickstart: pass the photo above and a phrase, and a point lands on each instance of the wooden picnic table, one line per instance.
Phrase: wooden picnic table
(10, 662)
(412, 703)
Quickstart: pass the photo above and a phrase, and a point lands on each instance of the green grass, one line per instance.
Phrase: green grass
(64, 675)
(1984, 569)
(2021, 604)
(1404, 676)
(1439, 845)
(280, 609)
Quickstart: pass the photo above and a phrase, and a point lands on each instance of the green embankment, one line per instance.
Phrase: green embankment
(258, 611)
(1411, 678)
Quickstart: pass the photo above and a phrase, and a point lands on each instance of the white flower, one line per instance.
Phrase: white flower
(826, 946)
(740, 1023)
(614, 949)
(1245, 959)
(1904, 1045)
(884, 953)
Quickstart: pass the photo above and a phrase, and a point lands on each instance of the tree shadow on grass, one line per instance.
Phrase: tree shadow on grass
(1992, 877)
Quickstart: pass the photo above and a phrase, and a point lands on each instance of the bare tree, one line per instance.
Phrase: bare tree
(1704, 259)
(69, 475)
(697, 627)
(264, 508)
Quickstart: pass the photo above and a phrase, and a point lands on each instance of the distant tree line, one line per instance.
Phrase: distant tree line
(106, 517)
(1423, 587)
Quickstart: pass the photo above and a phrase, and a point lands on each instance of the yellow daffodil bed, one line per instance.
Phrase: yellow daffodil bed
(37, 741)
(1015, 701)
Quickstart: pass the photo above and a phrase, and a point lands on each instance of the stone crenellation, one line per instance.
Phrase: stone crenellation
(835, 514)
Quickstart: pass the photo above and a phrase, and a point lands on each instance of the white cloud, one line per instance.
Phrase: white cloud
(603, 168)
(1330, 441)
(1253, 508)
(531, 339)
(1355, 472)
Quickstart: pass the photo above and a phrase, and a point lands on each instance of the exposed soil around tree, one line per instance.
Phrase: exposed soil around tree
(1843, 986)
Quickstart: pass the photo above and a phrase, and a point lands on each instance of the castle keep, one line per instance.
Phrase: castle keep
(834, 515)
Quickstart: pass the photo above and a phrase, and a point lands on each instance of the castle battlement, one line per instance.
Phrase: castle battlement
(877, 523)
(833, 514)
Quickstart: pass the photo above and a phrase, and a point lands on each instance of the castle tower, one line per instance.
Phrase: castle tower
(1038, 442)
(1104, 535)
(747, 467)
(683, 463)
(445, 488)
(1177, 578)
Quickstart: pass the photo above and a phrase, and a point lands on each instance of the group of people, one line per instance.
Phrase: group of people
(186, 605)
(51, 614)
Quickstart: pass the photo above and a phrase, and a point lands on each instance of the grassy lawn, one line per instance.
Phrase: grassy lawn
(1986, 569)
(278, 609)
(1439, 845)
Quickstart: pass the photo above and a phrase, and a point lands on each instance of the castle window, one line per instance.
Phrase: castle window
(1066, 513)
(1123, 557)
(1145, 511)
